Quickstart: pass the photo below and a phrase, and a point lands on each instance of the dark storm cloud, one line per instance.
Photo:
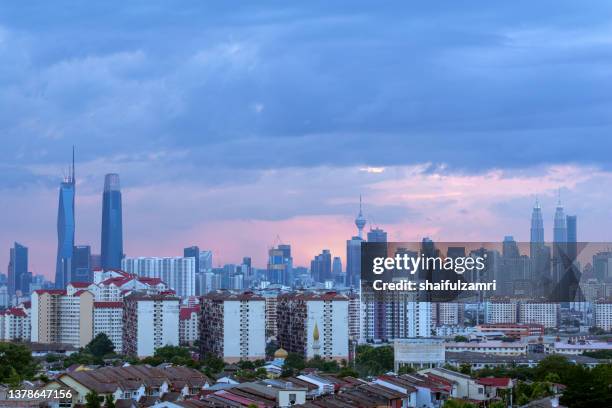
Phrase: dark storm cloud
(472, 85)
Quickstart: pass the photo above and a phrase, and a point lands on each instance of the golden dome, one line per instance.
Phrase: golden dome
(280, 353)
(315, 333)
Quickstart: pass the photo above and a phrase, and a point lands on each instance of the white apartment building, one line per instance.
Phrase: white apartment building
(314, 324)
(501, 311)
(15, 324)
(545, 314)
(603, 315)
(108, 319)
(188, 324)
(149, 322)
(177, 272)
(232, 326)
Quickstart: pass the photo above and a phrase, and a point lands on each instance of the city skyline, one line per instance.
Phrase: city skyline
(230, 127)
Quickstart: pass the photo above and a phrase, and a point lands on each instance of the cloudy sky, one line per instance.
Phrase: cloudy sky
(232, 123)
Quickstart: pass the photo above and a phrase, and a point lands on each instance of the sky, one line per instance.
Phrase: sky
(237, 125)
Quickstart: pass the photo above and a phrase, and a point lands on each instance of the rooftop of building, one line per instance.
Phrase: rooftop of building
(224, 295)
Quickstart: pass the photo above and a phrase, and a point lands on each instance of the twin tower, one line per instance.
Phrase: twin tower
(111, 249)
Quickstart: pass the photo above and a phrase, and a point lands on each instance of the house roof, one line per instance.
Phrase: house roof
(494, 382)
(185, 312)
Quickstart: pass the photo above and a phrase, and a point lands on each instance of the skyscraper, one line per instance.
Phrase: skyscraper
(559, 242)
(18, 276)
(377, 235)
(193, 252)
(112, 223)
(538, 251)
(280, 265)
(65, 229)
(572, 236)
(81, 264)
(320, 266)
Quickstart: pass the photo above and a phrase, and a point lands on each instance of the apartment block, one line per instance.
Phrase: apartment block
(313, 324)
(603, 315)
(542, 313)
(108, 319)
(149, 322)
(232, 326)
(59, 317)
(188, 324)
(15, 324)
(501, 311)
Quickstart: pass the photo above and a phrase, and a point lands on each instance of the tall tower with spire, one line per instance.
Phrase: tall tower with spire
(360, 221)
(112, 223)
(65, 228)
(537, 224)
(353, 251)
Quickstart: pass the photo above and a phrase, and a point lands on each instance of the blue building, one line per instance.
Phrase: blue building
(81, 264)
(65, 230)
(18, 276)
(112, 223)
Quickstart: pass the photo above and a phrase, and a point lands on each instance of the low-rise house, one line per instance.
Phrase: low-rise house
(466, 387)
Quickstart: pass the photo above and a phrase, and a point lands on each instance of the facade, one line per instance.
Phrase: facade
(112, 223)
(188, 324)
(108, 319)
(321, 266)
(499, 348)
(501, 311)
(81, 264)
(15, 324)
(61, 317)
(65, 231)
(149, 322)
(280, 265)
(18, 276)
(232, 326)
(512, 330)
(603, 315)
(448, 314)
(314, 324)
(542, 313)
(177, 272)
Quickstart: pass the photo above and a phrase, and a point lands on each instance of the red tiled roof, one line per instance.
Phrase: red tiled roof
(494, 382)
(80, 292)
(50, 291)
(185, 312)
(108, 304)
(79, 284)
(15, 311)
(149, 281)
(27, 304)
(118, 280)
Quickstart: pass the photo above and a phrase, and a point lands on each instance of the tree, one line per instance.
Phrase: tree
(461, 339)
(100, 346)
(588, 388)
(347, 372)
(465, 368)
(451, 403)
(405, 369)
(109, 402)
(93, 400)
(295, 361)
(374, 360)
(16, 363)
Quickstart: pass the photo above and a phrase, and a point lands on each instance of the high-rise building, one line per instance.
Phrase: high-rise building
(149, 322)
(193, 252)
(177, 272)
(572, 236)
(543, 313)
(62, 317)
(18, 276)
(188, 325)
(559, 243)
(377, 235)
(314, 324)
(232, 326)
(206, 261)
(65, 230)
(539, 253)
(337, 266)
(280, 265)
(108, 319)
(112, 223)
(81, 264)
(320, 267)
